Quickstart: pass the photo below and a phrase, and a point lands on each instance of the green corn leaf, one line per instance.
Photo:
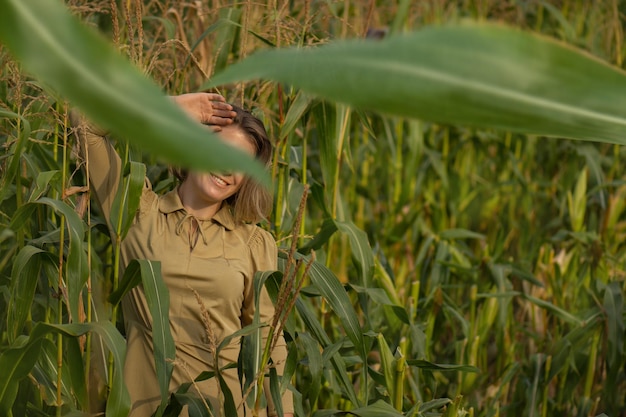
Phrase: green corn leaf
(228, 26)
(254, 343)
(500, 274)
(275, 391)
(48, 367)
(381, 297)
(76, 270)
(401, 16)
(568, 31)
(295, 113)
(249, 355)
(429, 366)
(377, 409)
(315, 364)
(80, 65)
(359, 244)
(291, 364)
(434, 404)
(327, 413)
(336, 296)
(195, 406)
(127, 198)
(18, 361)
(554, 309)
(47, 383)
(24, 277)
(510, 79)
(76, 370)
(614, 308)
(510, 372)
(18, 148)
(451, 234)
(76, 264)
(230, 409)
(388, 364)
(327, 229)
(329, 118)
(157, 296)
(577, 203)
(312, 324)
(439, 273)
(15, 364)
(131, 278)
(596, 174)
(361, 250)
(43, 181)
(118, 402)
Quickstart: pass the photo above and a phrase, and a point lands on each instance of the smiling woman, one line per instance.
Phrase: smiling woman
(204, 236)
(253, 202)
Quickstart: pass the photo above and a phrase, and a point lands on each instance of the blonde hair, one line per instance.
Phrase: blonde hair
(253, 202)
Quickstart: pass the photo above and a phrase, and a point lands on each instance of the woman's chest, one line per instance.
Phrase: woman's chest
(205, 257)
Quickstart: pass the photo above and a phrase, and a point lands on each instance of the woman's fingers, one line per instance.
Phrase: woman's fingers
(207, 108)
(214, 97)
(222, 113)
(221, 120)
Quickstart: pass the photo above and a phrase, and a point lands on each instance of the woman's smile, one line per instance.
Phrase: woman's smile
(219, 181)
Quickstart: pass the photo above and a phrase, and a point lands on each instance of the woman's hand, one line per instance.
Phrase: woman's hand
(207, 108)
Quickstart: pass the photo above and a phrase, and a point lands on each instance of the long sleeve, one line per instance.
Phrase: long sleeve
(103, 163)
(265, 258)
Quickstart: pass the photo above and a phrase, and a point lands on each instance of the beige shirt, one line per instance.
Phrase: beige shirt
(217, 258)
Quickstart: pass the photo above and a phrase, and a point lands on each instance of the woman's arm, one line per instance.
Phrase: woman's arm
(102, 163)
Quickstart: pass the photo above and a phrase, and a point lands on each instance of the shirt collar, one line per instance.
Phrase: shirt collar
(170, 202)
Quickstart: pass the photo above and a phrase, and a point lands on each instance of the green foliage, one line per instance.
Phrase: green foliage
(447, 270)
(510, 80)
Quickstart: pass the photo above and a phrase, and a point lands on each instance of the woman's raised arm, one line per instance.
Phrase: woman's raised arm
(103, 164)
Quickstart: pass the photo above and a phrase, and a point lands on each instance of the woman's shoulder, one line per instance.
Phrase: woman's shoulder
(148, 200)
(255, 235)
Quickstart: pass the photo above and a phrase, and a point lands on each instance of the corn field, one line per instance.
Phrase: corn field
(450, 202)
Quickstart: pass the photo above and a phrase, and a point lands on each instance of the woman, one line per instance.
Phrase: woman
(204, 234)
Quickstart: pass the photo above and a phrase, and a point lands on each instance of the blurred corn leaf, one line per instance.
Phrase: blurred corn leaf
(509, 79)
(80, 65)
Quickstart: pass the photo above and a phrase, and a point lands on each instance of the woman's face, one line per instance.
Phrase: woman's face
(215, 187)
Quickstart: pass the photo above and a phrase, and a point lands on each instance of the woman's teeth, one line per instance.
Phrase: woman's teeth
(219, 180)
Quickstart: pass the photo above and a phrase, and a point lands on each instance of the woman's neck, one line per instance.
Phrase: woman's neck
(196, 206)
